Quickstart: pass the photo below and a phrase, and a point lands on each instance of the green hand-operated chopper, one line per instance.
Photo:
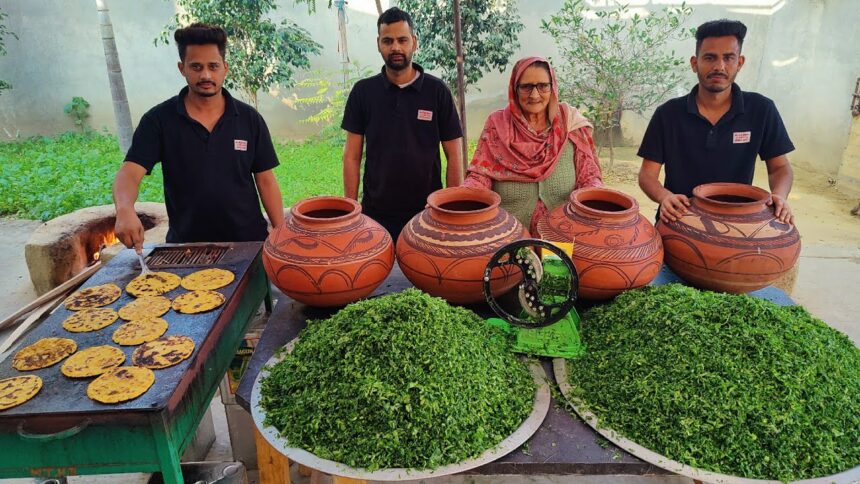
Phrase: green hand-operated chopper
(541, 317)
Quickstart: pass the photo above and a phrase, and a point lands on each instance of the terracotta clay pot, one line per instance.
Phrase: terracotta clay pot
(730, 240)
(614, 247)
(444, 249)
(328, 253)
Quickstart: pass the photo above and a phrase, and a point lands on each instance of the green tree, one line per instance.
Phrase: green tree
(4, 32)
(616, 60)
(330, 96)
(490, 36)
(261, 54)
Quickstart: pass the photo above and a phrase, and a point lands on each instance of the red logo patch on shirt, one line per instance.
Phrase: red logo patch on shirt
(741, 137)
(240, 145)
(424, 115)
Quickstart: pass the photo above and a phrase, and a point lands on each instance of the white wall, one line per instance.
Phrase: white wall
(800, 53)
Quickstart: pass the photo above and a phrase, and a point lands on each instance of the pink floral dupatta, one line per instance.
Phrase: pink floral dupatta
(509, 150)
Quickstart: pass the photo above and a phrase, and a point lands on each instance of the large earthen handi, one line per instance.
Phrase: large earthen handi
(328, 253)
(445, 249)
(615, 248)
(730, 240)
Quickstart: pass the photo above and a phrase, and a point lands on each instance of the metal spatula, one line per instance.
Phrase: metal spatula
(143, 268)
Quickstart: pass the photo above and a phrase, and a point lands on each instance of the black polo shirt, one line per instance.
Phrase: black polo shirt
(209, 186)
(402, 128)
(694, 151)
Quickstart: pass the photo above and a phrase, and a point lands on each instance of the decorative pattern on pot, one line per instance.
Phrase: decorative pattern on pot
(444, 249)
(730, 241)
(615, 248)
(328, 253)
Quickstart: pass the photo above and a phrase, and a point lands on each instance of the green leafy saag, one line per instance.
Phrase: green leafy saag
(727, 383)
(403, 380)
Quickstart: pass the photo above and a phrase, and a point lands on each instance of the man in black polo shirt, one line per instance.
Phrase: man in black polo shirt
(215, 153)
(403, 114)
(715, 133)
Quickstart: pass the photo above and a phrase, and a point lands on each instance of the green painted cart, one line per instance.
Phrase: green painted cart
(61, 432)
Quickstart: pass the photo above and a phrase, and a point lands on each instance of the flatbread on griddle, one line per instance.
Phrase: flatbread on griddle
(92, 297)
(197, 302)
(152, 284)
(140, 331)
(121, 384)
(18, 389)
(163, 352)
(92, 361)
(43, 353)
(90, 319)
(145, 307)
(207, 279)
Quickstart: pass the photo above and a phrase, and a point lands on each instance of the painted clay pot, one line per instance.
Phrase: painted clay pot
(615, 248)
(328, 253)
(730, 241)
(445, 249)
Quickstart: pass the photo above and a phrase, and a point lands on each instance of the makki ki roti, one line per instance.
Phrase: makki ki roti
(43, 353)
(139, 331)
(121, 384)
(207, 279)
(198, 302)
(90, 319)
(163, 352)
(92, 297)
(92, 361)
(18, 389)
(145, 307)
(153, 284)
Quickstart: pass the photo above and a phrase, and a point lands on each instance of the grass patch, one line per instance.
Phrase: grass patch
(45, 177)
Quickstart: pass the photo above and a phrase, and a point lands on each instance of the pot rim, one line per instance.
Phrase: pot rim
(347, 205)
(629, 204)
(464, 194)
(757, 196)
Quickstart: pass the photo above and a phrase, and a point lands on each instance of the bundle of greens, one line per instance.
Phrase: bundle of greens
(727, 383)
(403, 380)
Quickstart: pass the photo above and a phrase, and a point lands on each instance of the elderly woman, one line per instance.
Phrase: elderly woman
(534, 152)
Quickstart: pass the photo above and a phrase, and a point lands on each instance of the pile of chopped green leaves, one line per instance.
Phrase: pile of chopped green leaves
(731, 384)
(403, 380)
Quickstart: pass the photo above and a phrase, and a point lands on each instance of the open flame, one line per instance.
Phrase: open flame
(108, 240)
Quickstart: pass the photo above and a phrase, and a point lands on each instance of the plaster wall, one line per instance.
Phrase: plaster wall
(799, 53)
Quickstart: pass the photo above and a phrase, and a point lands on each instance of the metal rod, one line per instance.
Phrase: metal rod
(50, 295)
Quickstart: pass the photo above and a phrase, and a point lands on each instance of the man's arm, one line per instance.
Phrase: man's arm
(780, 176)
(672, 206)
(126, 185)
(454, 155)
(270, 195)
(352, 164)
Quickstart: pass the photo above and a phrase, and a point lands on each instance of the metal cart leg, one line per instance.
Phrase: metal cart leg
(168, 455)
(268, 300)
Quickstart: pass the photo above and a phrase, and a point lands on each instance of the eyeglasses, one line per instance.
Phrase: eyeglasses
(542, 87)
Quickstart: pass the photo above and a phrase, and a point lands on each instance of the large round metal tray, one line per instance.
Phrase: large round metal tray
(559, 366)
(519, 437)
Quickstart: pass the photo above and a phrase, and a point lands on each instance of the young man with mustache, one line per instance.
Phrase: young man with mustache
(715, 133)
(401, 114)
(215, 153)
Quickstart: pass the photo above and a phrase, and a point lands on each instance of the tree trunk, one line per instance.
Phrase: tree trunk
(117, 86)
(379, 6)
(341, 36)
(461, 82)
(611, 149)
